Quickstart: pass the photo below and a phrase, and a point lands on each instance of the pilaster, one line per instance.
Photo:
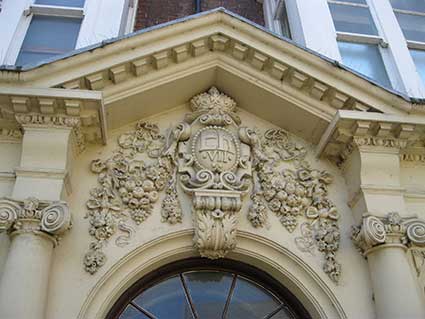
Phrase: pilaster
(369, 148)
(56, 125)
(35, 228)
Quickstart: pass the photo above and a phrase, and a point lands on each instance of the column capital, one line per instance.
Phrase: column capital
(376, 232)
(46, 218)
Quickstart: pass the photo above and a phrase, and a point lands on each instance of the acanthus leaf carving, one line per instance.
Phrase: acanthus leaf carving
(216, 161)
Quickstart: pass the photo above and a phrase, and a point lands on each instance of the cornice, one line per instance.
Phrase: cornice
(221, 48)
(120, 60)
(373, 132)
(79, 111)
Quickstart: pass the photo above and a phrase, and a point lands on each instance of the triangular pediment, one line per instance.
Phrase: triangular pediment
(157, 69)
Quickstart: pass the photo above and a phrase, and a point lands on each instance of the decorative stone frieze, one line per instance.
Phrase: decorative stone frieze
(390, 230)
(212, 158)
(10, 135)
(81, 112)
(350, 130)
(231, 48)
(38, 217)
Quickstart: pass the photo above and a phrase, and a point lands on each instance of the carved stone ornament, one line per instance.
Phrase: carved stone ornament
(392, 229)
(32, 215)
(216, 161)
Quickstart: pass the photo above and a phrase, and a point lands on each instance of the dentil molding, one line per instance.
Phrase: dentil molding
(34, 216)
(217, 162)
(378, 232)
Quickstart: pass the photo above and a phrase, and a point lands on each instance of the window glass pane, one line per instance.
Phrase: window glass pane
(283, 314)
(284, 23)
(166, 300)
(419, 59)
(250, 301)
(352, 19)
(132, 313)
(209, 291)
(365, 59)
(411, 5)
(353, 1)
(413, 26)
(48, 36)
(63, 3)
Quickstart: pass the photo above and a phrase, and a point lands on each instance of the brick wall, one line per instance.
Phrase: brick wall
(250, 9)
(153, 12)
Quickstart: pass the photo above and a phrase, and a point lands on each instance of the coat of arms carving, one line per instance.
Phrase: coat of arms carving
(217, 162)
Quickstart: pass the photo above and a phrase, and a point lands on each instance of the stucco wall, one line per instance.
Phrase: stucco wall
(70, 284)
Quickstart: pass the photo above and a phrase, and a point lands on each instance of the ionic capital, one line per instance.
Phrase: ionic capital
(51, 219)
(392, 230)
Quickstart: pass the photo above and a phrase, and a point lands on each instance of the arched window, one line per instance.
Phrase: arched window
(205, 289)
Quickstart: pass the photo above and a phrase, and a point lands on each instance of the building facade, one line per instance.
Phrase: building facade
(212, 159)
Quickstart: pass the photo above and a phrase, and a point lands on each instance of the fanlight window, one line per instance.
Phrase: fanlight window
(206, 292)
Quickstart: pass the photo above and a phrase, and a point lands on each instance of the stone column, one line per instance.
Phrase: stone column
(384, 241)
(35, 228)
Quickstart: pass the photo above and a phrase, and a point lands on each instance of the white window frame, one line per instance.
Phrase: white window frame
(273, 10)
(416, 45)
(39, 10)
(379, 40)
(128, 18)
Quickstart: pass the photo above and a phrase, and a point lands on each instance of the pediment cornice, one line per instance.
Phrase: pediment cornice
(156, 69)
(220, 35)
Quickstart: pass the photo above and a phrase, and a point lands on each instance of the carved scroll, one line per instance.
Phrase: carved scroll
(216, 161)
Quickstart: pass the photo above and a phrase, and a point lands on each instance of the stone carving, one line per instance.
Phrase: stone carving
(392, 229)
(297, 190)
(32, 215)
(55, 120)
(418, 258)
(380, 141)
(10, 134)
(213, 162)
(216, 161)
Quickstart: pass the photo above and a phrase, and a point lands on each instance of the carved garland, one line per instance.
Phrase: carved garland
(215, 160)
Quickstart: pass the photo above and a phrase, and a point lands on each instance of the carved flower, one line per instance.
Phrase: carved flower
(282, 195)
(274, 205)
(138, 192)
(102, 226)
(130, 184)
(94, 258)
(171, 210)
(290, 188)
(97, 166)
(148, 186)
(258, 212)
(332, 268)
(292, 200)
(328, 236)
(269, 194)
